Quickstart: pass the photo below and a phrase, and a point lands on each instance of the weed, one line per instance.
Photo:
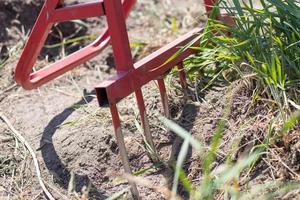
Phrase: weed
(227, 180)
(263, 41)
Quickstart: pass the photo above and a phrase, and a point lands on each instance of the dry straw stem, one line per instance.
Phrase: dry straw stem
(33, 155)
(148, 184)
(2, 93)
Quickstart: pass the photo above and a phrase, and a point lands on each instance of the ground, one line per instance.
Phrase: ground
(74, 138)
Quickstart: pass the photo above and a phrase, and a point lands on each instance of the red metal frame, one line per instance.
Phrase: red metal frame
(49, 15)
(129, 77)
(145, 70)
(209, 5)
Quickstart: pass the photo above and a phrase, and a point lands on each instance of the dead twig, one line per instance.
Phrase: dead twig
(2, 93)
(31, 151)
(284, 164)
(9, 89)
(148, 184)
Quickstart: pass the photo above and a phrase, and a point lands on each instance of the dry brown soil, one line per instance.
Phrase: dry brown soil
(74, 138)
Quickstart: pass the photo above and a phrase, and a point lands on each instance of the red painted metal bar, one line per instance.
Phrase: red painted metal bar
(147, 69)
(209, 5)
(49, 13)
(34, 44)
(79, 11)
(118, 34)
(227, 19)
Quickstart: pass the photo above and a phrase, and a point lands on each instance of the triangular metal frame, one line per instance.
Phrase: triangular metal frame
(50, 14)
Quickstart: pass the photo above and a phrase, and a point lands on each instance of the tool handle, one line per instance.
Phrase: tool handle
(51, 13)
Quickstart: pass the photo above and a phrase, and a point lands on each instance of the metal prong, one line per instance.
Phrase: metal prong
(144, 120)
(122, 149)
(164, 97)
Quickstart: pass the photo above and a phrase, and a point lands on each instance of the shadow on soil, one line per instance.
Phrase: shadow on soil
(62, 174)
(53, 162)
(186, 120)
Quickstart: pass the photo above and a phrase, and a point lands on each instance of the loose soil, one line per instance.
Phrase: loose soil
(74, 138)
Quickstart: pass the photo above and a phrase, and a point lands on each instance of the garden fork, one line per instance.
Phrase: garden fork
(129, 77)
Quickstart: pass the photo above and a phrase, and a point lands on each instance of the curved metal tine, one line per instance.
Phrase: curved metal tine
(122, 148)
(145, 124)
(164, 96)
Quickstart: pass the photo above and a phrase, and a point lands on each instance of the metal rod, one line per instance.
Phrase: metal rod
(145, 122)
(122, 148)
(164, 97)
(118, 33)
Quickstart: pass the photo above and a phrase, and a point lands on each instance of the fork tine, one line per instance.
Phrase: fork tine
(144, 119)
(164, 97)
(122, 149)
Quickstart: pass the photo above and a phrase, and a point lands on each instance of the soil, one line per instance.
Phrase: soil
(74, 138)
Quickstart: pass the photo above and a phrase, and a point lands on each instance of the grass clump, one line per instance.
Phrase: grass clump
(264, 44)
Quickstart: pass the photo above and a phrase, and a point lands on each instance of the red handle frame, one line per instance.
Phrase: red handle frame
(49, 15)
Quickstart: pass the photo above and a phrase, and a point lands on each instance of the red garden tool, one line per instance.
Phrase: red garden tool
(129, 77)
